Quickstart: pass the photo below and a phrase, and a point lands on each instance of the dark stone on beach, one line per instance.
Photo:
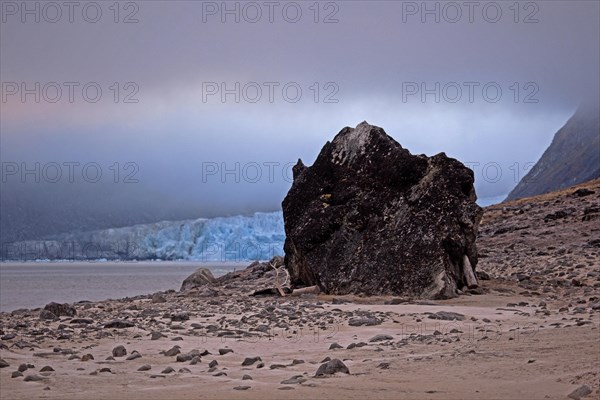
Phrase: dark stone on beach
(156, 335)
(221, 373)
(200, 277)
(173, 351)
(250, 360)
(213, 363)
(167, 370)
(16, 374)
(119, 351)
(33, 378)
(47, 368)
(182, 316)
(87, 357)
(294, 380)
(447, 316)
(9, 336)
(145, 367)
(334, 346)
(184, 371)
(83, 321)
(241, 387)
(277, 366)
(61, 310)
(580, 392)
(22, 368)
(134, 355)
(383, 365)
(195, 360)
(367, 321)
(184, 357)
(331, 367)
(3, 364)
(247, 378)
(380, 338)
(354, 345)
(225, 351)
(119, 324)
(364, 189)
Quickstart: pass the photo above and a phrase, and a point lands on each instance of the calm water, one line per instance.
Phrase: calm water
(31, 285)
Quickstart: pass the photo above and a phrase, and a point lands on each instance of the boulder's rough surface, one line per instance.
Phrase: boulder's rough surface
(200, 277)
(369, 217)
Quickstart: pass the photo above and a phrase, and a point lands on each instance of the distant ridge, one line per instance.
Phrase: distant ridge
(573, 157)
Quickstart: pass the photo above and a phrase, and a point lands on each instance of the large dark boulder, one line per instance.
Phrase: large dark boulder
(369, 217)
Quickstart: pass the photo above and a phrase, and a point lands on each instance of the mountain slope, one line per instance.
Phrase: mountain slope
(573, 157)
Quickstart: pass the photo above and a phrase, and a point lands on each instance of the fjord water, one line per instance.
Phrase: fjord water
(32, 285)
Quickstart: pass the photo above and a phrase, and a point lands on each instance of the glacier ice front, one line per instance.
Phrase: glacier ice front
(239, 238)
(226, 239)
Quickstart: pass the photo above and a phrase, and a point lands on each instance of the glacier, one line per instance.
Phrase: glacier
(224, 239)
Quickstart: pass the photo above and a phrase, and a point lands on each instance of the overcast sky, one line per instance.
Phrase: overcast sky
(352, 61)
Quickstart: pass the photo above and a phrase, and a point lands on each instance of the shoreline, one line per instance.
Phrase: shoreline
(20, 282)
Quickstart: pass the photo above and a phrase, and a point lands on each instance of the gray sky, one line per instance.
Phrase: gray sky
(374, 62)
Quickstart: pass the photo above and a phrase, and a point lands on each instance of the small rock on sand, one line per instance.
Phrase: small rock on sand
(366, 321)
(3, 364)
(250, 360)
(380, 338)
(145, 367)
(447, 316)
(119, 351)
(134, 355)
(33, 378)
(294, 380)
(173, 351)
(119, 324)
(331, 367)
(580, 392)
